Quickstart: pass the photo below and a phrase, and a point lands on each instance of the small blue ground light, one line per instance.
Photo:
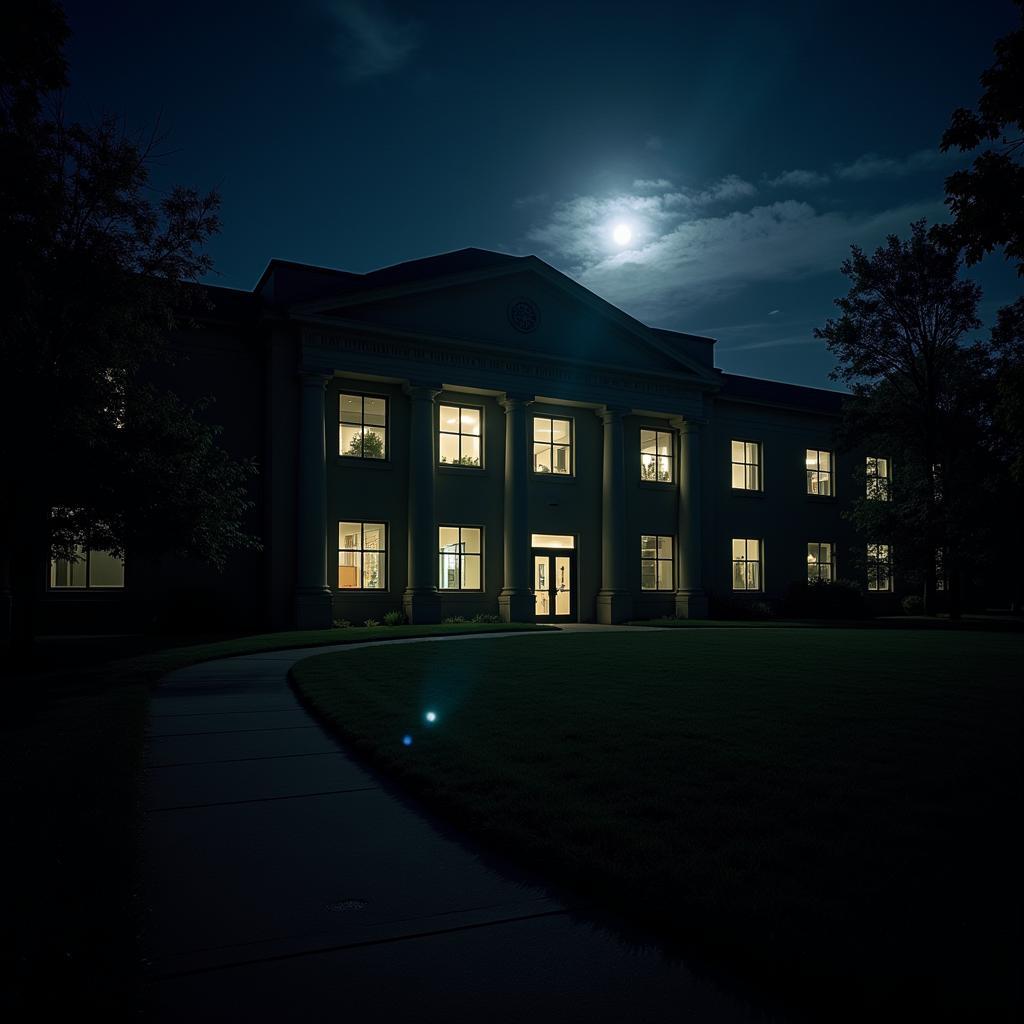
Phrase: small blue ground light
(431, 716)
(406, 741)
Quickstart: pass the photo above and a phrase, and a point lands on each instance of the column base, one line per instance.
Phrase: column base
(314, 608)
(422, 607)
(614, 606)
(691, 604)
(517, 606)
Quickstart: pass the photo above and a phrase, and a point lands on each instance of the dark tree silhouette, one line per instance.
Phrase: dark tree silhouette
(99, 275)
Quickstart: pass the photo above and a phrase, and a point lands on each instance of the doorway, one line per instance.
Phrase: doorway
(554, 577)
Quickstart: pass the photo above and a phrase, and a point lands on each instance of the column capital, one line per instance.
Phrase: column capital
(421, 390)
(515, 400)
(611, 413)
(688, 424)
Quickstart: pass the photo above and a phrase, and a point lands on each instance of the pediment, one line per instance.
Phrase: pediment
(528, 309)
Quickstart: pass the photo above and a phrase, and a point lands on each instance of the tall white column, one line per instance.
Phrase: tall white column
(614, 599)
(515, 602)
(313, 604)
(421, 600)
(691, 601)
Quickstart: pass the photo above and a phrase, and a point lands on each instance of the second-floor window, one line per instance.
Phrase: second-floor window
(655, 562)
(460, 433)
(363, 426)
(552, 445)
(819, 472)
(879, 478)
(879, 567)
(819, 562)
(656, 455)
(746, 465)
(460, 554)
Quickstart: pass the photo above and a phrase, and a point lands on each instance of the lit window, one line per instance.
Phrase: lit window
(746, 465)
(363, 426)
(459, 443)
(552, 445)
(879, 567)
(879, 475)
(819, 562)
(656, 455)
(362, 556)
(90, 570)
(819, 472)
(655, 562)
(746, 564)
(460, 558)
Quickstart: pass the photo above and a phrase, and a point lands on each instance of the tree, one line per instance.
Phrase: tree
(987, 201)
(99, 276)
(918, 397)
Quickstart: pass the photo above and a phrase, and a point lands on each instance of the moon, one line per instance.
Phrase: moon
(623, 234)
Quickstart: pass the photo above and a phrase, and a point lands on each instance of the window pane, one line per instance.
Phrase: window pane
(449, 572)
(754, 549)
(751, 478)
(648, 443)
(471, 572)
(739, 548)
(552, 540)
(373, 570)
(374, 411)
(665, 547)
(471, 421)
(541, 458)
(448, 417)
(738, 476)
(739, 576)
(541, 429)
(648, 546)
(351, 440)
(373, 536)
(560, 431)
(825, 484)
(350, 535)
(562, 462)
(648, 575)
(825, 461)
(664, 575)
(351, 409)
(665, 468)
(664, 442)
(737, 451)
(373, 443)
(753, 576)
(348, 570)
(471, 539)
(448, 538)
(450, 448)
(470, 451)
(753, 452)
(105, 570)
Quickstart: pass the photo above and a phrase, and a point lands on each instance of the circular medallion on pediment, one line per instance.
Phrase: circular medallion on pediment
(523, 315)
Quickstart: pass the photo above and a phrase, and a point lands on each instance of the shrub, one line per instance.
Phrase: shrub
(341, 623)
(395, 618)
(761, 610)
(371, 622)
(486, 617)
(912, 605)
(824, 599)
(453, 620)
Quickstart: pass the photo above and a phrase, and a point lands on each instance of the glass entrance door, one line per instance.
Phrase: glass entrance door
(554, 585)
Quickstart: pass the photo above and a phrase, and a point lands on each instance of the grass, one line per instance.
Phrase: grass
(70, 788)
(833, 812)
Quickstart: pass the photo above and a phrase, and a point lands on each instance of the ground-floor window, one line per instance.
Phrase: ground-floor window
(746, 563)
(655, 562)
(362, 556)
(879, 567)
(460, 557)
(820, 563)
(90, 570)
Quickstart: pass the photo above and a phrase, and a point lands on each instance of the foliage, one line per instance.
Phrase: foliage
(453, 620)
(824, 599)
(341, 623)
(371, 623)
(486, 617)
(987, 201)
(368, 445)
(462, 460)
(395, 618)
(912, 604)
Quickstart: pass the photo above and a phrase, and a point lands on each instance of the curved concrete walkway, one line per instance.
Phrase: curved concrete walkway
(285, 882)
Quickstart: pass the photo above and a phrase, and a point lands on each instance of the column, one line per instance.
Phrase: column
(421, 601)
(691, 601)
(614, 599)
(515, 602)
(313, 603)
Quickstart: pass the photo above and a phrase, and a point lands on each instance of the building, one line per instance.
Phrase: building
(476, 433)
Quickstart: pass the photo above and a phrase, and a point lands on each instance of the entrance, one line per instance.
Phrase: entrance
(554, 577)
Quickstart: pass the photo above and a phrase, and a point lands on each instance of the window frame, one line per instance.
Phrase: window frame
(759, 466)
(385, 429)
(656, 559)
(818, 472)
(876, 487)
(745, 561)
(819, 544)
(670, 458)
(873, 563)
(551, 474)
(461, 556)
(87, 553)
(460, 435)
(384, 552)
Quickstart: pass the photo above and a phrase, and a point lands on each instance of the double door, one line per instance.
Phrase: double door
(554, 585)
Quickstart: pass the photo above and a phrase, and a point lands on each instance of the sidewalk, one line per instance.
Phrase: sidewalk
(283, 881)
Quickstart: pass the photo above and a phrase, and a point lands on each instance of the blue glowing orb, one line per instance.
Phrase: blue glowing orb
(406, 741)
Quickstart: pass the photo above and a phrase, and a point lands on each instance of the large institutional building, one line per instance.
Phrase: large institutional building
(477, 433)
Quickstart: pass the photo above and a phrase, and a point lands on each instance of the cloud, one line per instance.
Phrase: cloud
(793, 339)
(730, 187)
(369, 40)
(799, 178)
(657, 184)
(535, 199)
(774, 312)
(871, 165)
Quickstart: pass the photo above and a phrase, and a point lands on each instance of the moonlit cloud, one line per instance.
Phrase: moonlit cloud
(656, 184)
(370, 41)
(871, 165)
(774, 312)
(799, 178)
(535, 199)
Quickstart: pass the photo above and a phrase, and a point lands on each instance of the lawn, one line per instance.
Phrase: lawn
(71, 763)
(834, 813)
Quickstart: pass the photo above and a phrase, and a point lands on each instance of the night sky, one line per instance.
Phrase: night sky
(743, 145)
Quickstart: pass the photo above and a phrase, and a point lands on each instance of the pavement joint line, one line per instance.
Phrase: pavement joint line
(341, 947)
(236, 760)
(261, 799)
(227, 732)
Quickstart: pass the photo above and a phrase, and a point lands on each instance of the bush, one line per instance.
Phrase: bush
(485, 617)
(824, 599)
(395, 618)
(341, 623)
(453, 620)
(371, 622)
(912, 605)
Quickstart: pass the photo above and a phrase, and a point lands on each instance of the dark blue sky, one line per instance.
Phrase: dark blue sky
(743, 145)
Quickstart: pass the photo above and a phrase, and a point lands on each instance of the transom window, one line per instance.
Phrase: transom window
(362, 556)
(819, 472)
(746, 564)
(879, 475)
(363, 426)
(459, 443)
(655, 562)
(460, 556)
(656, 455)
(746, 465)
(879, 567)
(819, 562)
(90, 570)
(552, 445)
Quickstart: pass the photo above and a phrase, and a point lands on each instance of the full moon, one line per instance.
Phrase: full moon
(622, 234)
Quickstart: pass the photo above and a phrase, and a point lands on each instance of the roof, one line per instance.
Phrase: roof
(774, 392)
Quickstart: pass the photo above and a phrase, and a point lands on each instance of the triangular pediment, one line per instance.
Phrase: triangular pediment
(523, 306)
